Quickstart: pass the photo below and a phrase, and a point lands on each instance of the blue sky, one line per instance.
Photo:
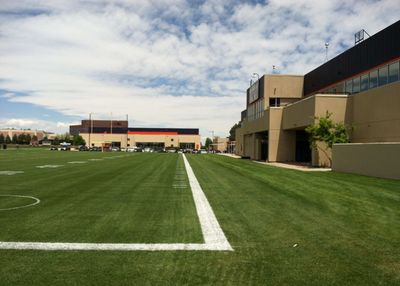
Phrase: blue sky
(165, 63)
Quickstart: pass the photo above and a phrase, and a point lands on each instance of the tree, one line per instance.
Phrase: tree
(66, 138)
(14, 139)
(56, 141)
(34, 139)
(78, 140)
(2, 138)
(28, 139)
(208, 143)
(21, 139)
(328, 132)
(8, 139)
(232, 132)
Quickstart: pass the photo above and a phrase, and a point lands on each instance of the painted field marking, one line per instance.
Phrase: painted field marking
(10, 173)
(214, 237)
(95, 159)
(49, 166)
(20, 207)
(77, 162)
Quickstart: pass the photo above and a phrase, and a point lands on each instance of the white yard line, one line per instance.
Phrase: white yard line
(212, 231)
(10, 173)
(213, 235)
(109, 246)
(49, 166)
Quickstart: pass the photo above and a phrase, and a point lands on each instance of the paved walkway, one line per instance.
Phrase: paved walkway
(230, 155)
(293, 166)
(299, 167)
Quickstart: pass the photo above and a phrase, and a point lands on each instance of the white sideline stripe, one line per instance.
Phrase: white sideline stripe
(213, 235)
(110, 246)
(212, 231)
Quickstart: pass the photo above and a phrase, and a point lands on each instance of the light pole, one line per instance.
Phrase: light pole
(326, 51)
(111, 123)
(127, 133)
(91, 128)
(256, 74)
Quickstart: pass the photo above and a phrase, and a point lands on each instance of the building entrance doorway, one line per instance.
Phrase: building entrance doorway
(303, 151)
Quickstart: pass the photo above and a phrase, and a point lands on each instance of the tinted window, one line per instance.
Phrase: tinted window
(275, 102)
(356, 84)
(394, 72)
(383, 74)
(349, 86)
(364, 82)
(373, 79)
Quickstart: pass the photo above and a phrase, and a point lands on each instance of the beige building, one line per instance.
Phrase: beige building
(40, 134)
(220, 144)
(363, 95)
(106, 133)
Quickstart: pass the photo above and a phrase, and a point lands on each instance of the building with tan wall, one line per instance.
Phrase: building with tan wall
(220, 144)
(107, 133)
(360, 87)
(40, 134)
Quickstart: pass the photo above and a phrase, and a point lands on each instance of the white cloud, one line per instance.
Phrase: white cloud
(165, 62)
(34, 123)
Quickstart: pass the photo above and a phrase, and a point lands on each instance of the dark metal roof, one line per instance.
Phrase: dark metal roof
(382, 47)
(183, 131)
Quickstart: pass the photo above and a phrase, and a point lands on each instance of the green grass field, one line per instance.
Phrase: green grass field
(346, 227)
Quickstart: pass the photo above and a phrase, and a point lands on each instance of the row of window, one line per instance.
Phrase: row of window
(378, 77)
(255, 110)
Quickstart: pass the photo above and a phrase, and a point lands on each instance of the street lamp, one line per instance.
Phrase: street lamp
(91, 128)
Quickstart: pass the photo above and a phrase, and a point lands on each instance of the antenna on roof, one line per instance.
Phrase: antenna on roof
(326, 51)
(359, 36)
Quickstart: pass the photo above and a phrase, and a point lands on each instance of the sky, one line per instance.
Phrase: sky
(164, 63)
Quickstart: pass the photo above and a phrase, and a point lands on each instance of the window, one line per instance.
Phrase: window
(373, 79)
(383, 75)
(356, 84)
(364, 82)
(394, 72)
(274, 102)
(172, 139)
(349, 86)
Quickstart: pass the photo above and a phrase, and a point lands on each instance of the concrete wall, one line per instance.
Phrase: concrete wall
(301, 114)
(371, 159)
(257, 125)
(239, 138)
(376, 114)
(283, 86)
(281, 143)
(97, 139)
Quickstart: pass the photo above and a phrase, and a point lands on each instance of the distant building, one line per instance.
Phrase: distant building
(40, 134)
(220, 144)
(116, 133)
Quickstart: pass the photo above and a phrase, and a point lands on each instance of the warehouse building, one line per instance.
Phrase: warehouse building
(360, 87)
(116, 133)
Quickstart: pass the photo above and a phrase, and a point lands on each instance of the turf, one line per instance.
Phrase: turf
(346, 227)
(126, 199)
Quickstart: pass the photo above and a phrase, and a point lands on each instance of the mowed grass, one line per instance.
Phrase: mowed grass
(346, 228)
(129, 198)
